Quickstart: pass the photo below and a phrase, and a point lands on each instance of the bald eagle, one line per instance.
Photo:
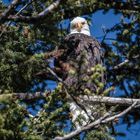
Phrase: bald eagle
(81, 52)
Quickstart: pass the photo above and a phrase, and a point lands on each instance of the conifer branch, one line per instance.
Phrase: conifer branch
(66, 12)
(8, 24)
(31, 96)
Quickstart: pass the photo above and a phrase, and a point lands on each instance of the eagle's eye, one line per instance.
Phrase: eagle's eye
(83, 22)
(73, 26)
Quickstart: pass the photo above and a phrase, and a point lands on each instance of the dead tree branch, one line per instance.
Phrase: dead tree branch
(26, 96)
(103, 120)
(84, 99)
(108, 100)
(41, 15)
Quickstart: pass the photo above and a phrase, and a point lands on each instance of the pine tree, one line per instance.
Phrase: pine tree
(30, 33)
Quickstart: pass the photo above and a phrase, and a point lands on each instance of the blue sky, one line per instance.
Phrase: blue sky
(108, 20)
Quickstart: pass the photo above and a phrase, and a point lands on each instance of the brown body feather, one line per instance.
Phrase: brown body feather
(81, 53)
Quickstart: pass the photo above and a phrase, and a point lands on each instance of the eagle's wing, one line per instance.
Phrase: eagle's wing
(81, 53)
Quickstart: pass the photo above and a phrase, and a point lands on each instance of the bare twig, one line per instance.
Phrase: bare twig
(10, 8)
(96, 123)
(55, 75)
(121, 64)
(120, 114)
(127, 61)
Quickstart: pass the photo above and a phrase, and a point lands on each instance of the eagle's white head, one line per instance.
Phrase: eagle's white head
(79, 25)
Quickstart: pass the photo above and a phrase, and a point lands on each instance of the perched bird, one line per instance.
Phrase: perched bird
(81, 53)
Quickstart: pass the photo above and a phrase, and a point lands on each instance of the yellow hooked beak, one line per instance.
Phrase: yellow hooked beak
(79, 26)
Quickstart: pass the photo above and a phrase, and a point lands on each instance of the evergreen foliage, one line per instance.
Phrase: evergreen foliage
(27, 41)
